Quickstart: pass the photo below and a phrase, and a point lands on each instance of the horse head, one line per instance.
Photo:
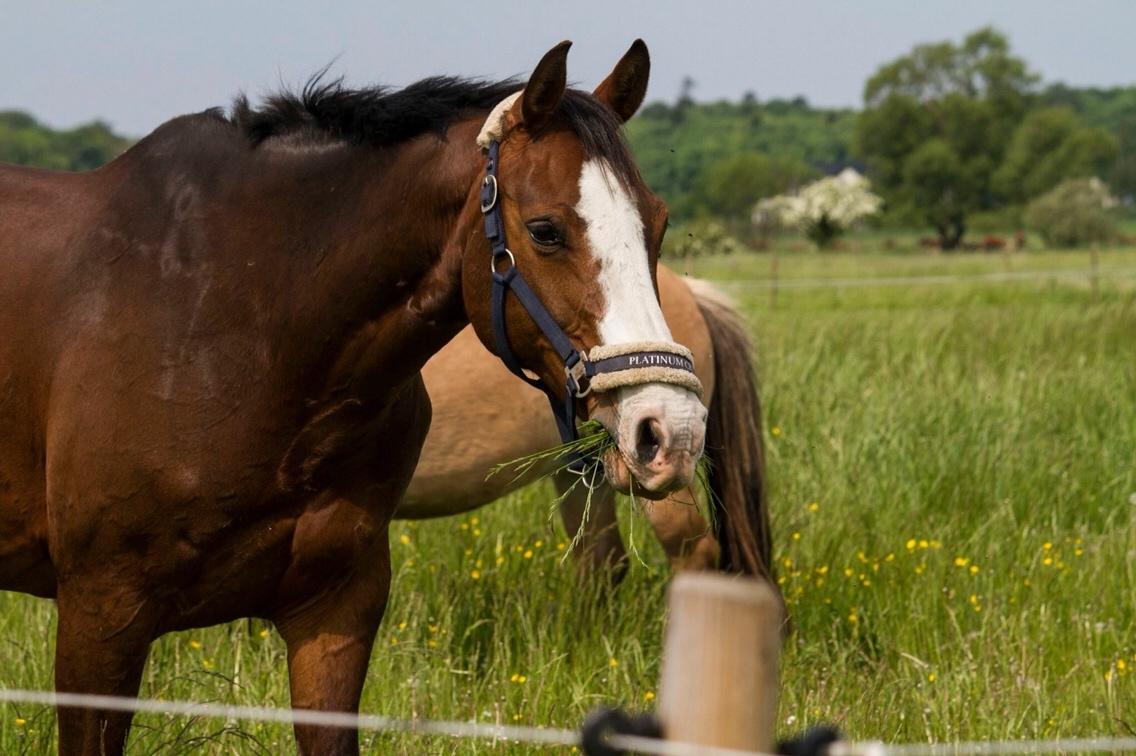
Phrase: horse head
(563, 207)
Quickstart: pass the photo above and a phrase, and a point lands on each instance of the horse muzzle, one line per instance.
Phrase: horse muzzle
(659, 431)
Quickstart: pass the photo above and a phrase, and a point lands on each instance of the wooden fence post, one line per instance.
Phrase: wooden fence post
(719, 676)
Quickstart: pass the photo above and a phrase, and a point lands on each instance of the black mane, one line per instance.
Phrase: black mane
(382, 117)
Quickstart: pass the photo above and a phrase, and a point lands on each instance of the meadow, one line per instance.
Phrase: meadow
(953, 487)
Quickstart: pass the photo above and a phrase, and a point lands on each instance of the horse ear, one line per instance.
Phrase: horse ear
(546, 87)
(626, 86)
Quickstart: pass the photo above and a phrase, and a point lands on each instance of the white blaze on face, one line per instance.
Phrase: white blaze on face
(632, 314)
(616, 238)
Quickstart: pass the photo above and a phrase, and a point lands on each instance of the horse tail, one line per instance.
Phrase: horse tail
(734, 445)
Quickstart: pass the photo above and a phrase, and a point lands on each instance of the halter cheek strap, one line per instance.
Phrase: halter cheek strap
(609, 367)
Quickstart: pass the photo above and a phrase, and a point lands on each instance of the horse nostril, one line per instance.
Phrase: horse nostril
(647, 441)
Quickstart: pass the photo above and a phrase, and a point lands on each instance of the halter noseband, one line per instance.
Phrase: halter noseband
(611, 366)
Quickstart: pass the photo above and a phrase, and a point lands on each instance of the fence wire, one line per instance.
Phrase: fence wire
(1102, 272)
(987, 748)
(537, 735)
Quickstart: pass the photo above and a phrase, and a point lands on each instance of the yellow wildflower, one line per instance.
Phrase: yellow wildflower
(404, 539)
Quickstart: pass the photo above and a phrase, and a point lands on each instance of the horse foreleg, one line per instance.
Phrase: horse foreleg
(684, 533)
(329, 640)
(593, 527)
(102, 640)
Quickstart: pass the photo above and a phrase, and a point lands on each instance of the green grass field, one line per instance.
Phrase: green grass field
(953, 484)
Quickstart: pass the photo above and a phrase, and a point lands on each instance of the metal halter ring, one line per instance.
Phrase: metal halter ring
(590, 475)
(486, 206)
(493, 259)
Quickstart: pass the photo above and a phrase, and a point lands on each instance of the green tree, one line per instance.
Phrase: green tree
(676, 156)
(1049, 146)
(936, 124)
(730, 186)
(1112, 109)
(25, 141)
(1075, 212)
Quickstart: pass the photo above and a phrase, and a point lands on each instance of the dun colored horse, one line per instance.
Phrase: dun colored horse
(210, 355)
(451, 473)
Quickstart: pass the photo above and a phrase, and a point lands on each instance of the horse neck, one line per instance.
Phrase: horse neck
(383, 217)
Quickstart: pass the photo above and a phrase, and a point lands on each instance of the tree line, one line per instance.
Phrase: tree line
(952, 135)
(26, 141)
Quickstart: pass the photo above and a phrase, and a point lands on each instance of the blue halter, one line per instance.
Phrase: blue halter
(575, 366)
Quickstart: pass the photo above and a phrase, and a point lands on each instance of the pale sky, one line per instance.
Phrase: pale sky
(135, 63)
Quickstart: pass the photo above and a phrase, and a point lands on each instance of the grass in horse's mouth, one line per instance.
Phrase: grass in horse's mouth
(593, 441)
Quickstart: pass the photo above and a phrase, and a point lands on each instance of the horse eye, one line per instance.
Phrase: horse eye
(545, 234)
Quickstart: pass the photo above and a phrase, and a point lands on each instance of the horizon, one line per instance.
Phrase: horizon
(82, 64)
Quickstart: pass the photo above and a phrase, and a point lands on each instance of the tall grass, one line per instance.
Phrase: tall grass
(953, 482)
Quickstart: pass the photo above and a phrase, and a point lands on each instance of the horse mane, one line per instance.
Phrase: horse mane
(382, 117)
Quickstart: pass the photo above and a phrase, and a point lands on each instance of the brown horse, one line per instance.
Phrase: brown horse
(451, 473)
(210, 353)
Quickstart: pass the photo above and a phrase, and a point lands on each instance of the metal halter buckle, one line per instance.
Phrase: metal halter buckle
(578, 374)
(490, 181)
(493, 259)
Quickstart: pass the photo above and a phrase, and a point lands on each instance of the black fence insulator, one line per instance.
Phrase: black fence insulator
(606, 721)
(814, 742)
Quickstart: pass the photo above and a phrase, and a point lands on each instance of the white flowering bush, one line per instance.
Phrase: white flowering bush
(1075, 212)
(823, 210)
